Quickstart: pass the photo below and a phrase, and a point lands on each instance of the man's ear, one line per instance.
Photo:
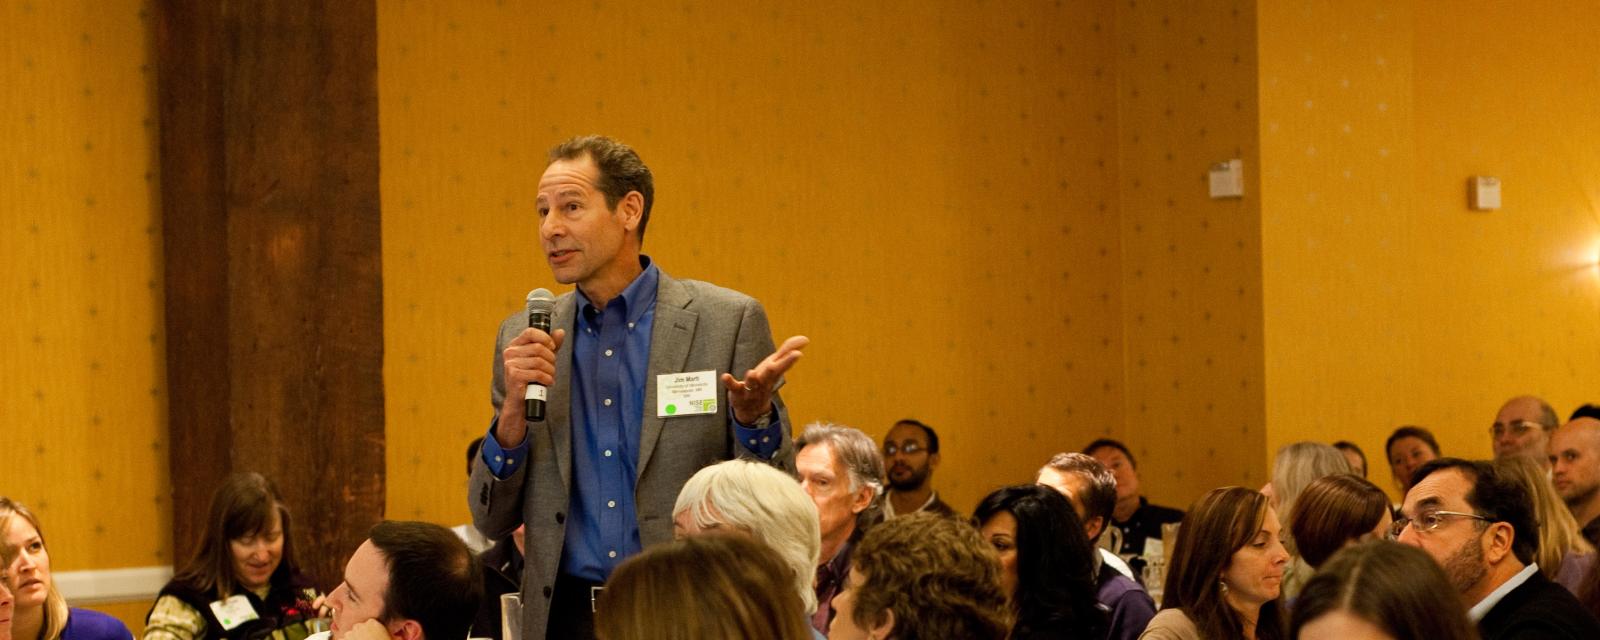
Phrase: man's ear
(407, 629)
(884, 627)
(1094, 527)
(933, 460)
(1498, 542)
(863, 499)
(631, 209)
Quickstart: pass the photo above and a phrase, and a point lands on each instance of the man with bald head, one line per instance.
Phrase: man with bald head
(1523, 427)
(1575, 459)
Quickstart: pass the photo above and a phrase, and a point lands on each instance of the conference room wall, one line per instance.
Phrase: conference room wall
(1388, 301)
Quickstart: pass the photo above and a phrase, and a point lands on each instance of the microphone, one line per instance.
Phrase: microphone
(540, 305)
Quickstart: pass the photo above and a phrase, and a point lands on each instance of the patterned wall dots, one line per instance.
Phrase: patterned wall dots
(80, 349)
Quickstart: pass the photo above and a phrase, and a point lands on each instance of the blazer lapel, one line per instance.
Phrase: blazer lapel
(670, 338)
(558, 409)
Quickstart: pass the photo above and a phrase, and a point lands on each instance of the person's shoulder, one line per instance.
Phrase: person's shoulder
(88, 624)
(702, 292)
(1158, 513)
(1171, 624)
(1537, 606)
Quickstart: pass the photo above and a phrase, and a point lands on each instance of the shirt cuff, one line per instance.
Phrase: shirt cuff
(503, 462)
(762, 439)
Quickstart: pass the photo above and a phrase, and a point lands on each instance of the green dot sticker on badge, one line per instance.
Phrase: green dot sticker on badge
(692, 393)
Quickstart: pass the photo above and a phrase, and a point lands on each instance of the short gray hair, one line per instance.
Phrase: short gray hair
(861, 459)
(767, 504)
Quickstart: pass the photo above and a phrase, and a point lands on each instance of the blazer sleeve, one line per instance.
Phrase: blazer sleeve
(752, 345)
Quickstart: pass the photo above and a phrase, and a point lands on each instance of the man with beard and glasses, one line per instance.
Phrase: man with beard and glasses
(911, 451)
(1478, 524)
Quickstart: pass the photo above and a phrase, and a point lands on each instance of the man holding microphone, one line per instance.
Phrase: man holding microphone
(649, 379)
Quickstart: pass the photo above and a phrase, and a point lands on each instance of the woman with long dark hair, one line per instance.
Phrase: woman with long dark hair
(1047, 564)
(243, 583)
(1225, 573)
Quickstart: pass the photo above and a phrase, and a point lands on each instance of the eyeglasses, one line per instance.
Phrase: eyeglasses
(907, 448)
(1518, 427)
(1428, 521)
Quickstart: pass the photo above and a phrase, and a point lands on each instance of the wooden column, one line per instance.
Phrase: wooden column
(271, 223)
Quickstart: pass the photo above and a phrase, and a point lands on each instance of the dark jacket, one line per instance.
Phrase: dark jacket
(1539, 609)
(502, 566)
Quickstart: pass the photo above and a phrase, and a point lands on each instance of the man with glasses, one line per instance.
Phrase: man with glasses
(1479, 525)
(911, 450)
(1522, 428)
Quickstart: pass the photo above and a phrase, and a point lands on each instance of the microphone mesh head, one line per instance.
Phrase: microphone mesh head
(541, 300)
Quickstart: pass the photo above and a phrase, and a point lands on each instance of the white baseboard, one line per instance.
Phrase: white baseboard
(112, 585)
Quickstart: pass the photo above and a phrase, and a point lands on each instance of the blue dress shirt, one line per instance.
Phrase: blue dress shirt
(610, 357)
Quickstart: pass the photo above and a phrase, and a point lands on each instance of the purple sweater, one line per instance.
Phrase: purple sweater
(83, 624)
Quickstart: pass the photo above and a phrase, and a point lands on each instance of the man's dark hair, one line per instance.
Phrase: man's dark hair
(1411, 431)
(621, 170)
(933, 438)
(1496, 496)
(1101, 497)
(433, 578)
(1108, 442)
(1586, 411)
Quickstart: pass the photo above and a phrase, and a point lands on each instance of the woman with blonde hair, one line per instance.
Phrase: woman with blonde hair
(38, 611)
(712, 586)
(1564, 555)
(1295, 468)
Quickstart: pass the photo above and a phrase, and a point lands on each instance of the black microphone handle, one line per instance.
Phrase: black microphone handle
(533, 408)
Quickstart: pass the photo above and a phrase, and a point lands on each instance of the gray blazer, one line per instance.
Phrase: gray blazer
(697, 327)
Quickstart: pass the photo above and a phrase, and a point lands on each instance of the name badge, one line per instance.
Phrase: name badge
(234, 611)
(686, 394)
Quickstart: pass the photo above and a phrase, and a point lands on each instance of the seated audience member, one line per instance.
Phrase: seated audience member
(1296, 466)
(1575, 469)
(911, 452)
(6, 603)
(842, 472)
(724, 586)
(1353, 455)
(1379, 590)
(1337, 511)
(245, 563)
(1408, 448)
(1134, 517)
(38, 612)
(759, 501)
(1523, 427)
(1046, 565)
(1478, 525)
(468, 532)
(922, 576)
(1225, 572)
(1564, 556)
(502, 574)
(408, 581)
(1092, 490)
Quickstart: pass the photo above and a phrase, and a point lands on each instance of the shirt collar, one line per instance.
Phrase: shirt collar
(638, 297)
(1478, 611)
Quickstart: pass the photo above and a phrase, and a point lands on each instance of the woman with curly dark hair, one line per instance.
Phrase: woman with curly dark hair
(1046, 563)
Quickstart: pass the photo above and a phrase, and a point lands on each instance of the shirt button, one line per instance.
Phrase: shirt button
(611, 554)
(765, 439)
(630, 325)
(611, 503)
(752, 441)
(608, 453)
(608, 402)
(608, 353)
